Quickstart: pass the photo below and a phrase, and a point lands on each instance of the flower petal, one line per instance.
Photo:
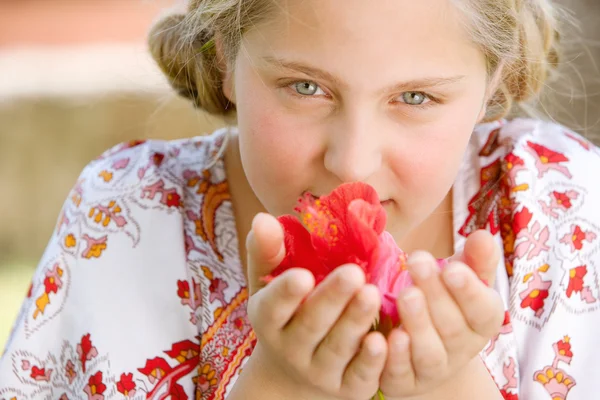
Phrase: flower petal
(299, 251)
(364, 221)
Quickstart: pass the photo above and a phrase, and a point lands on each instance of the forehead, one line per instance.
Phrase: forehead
(403, 34)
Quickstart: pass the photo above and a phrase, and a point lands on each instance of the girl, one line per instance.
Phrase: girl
(149, 288)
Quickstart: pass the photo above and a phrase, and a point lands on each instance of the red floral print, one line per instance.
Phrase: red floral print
(40, 374)
(521, 220)
(126, 386)
(547, 160)
(86, 351)
(155, 369)
(576, 276)
(576, 238)
(537, 291)
(95, 387)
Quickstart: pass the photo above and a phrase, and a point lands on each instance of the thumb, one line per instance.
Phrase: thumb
(266, 249)
(482, 254)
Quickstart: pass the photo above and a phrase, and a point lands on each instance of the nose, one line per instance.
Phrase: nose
(354, 147)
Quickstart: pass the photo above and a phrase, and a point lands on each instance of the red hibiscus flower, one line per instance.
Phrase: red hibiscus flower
(126, 385)
(546, 155)
(562, 199)
(345, 227)
(341, 228)
(535, 299)
(576, 276)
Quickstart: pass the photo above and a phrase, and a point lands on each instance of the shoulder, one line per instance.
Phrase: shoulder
(142, 193)
(141, 161)
(548, 218)
(549, 149)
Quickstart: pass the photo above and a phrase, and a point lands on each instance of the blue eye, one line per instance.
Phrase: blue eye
(415, 98)
(307, 88)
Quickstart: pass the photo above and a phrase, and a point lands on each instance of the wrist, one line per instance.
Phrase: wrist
(473, 381)
(261, 379)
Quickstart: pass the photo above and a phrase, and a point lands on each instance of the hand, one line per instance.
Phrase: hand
(313, 341)
(447, 318)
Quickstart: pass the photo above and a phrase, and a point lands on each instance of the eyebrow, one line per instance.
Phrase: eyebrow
(421, 83)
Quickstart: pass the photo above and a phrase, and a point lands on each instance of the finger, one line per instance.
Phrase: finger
(322, 308)
(445, 313)
(398, 376)
(428, 354)
(343, 341)
(271, 309)
(482, 254)
(266, 249)
(481, 306)
(363, 372)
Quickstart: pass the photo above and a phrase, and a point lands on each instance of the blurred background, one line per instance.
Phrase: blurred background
(75, 79)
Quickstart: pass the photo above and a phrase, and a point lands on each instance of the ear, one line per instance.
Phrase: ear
(226, 68)
(491, 89)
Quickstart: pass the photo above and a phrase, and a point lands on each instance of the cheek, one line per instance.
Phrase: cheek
(274, 155)
(428, 166)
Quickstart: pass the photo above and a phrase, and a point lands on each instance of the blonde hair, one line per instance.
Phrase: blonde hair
(520, 36)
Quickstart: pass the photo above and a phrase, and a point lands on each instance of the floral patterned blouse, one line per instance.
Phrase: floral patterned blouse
(141, 294)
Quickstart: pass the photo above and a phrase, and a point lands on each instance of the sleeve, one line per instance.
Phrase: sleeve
(550, 230)
(112, 311)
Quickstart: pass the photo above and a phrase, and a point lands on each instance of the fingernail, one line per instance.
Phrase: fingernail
(420, 265)
(413, 302)
(455, 279)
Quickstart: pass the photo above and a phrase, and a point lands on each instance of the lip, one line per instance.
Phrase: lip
(382, 202)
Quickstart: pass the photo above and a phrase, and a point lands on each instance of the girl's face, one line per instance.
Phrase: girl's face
(385, 92)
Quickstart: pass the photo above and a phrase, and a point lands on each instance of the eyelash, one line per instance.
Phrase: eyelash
(288, 85)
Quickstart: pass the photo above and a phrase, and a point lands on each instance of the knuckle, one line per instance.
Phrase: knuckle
(295, 355)
(254, 309)
(488, 318)
(327, 380)
(452, 332)
(336, 347)
(365, 390)
(431, 362)
(263, 311)
(309, 325)
(361, 374)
